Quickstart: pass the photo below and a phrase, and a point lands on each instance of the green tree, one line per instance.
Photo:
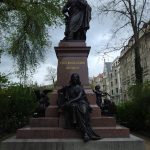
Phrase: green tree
(25, 26)
(17, 104)
(129, 15)
(135, 113)
(3, 79)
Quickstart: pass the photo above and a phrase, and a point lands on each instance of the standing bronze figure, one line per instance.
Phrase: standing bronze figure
(77, 17)
(99, 95)
(72, 99)
(107, 107)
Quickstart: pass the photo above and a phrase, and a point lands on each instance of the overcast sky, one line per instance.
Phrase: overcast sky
(98, 34)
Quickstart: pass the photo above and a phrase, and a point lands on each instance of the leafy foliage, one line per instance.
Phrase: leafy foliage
(17, 103)
(135, 113)
(3, 79)
(25, 26)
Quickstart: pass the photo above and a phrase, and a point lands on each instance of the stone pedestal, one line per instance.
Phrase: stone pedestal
(72, 58)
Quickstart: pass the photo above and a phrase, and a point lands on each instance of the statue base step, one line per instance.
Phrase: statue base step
(52, 111)
(51, 126)
(89, 93)
(130, 143)
(54, 122)
(57, 132)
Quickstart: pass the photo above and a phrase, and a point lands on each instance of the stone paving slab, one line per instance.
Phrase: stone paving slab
(131, 143)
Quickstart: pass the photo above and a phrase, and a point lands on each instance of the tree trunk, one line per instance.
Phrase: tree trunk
(138, 67)
(53, 81)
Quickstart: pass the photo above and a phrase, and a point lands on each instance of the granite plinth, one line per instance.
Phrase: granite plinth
(90, 96)
(57, 132)
(52, 111)
(72, 58)
(72, 43)
(54, 122)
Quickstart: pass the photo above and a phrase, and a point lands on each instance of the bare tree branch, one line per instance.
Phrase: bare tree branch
(129, 9)
(109, 49)
(113, 10)
(140, 19)
(135, 12)
(51, 74)
(120, 28)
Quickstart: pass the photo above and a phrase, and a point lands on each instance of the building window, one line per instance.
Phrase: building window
(111, 83)
(116, 90)
(111, 75)
(125, 96)
(115, 72)
(116, 81)
(112, 92)
(144, 63)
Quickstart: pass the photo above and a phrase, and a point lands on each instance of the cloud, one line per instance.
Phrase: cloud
(97, 36)
(95, 65)
(7, 64)
(41, 72)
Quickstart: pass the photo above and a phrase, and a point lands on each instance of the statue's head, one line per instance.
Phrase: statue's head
(97, 87)
(75, 79)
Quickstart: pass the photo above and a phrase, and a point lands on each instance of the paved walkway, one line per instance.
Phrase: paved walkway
(146, 139)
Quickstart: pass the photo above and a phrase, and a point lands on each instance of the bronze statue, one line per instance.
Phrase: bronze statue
(42, 103)
(77, 17)
(99, 95)
(72, 99)
(107, 107)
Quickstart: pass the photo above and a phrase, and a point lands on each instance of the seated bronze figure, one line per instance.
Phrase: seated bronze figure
(72, 99)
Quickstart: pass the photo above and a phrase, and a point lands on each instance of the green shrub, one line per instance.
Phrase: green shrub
(17, 103)
(135, 113)
(129, 115)
(3, 78)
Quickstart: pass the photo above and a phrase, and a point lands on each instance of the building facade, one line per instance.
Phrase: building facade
(114, 79)
(119, 75)
(109, 80)
(98, 80)
(127, 64)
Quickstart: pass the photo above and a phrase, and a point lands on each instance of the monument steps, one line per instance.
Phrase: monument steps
(54, 122)
(51, 126)
(52, 111)
(44, 122)
(90, 96)
(57, 132)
